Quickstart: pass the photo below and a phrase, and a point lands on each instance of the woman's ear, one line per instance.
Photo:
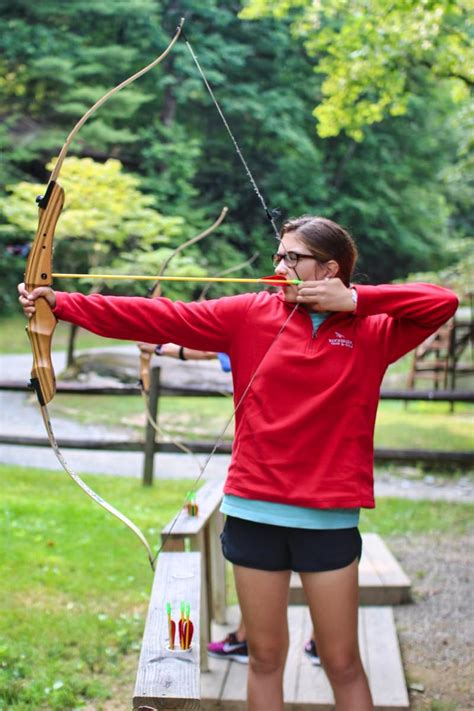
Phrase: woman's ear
(332, 268)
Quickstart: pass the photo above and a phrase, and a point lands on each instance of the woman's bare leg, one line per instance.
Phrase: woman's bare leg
(263, 598)
(333, 597)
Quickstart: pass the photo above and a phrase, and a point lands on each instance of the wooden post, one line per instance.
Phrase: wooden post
(198, 546)
(150, 432)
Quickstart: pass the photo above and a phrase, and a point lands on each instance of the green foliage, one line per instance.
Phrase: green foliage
(103, 205)
(458, 275)
(105, 215)
(370, 53)
(403, 192)
(458, 175)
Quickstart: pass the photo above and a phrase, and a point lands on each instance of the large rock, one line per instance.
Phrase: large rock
(122, 364)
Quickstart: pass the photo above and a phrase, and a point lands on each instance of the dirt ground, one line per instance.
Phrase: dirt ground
(436, 631)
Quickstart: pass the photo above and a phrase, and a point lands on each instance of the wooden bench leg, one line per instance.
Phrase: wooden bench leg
(217, 569)
(198, 544)
(174, 545)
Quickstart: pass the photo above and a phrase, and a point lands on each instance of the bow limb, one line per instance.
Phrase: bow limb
(188, 243)
(109, 94)
(39, 266)
(90, 492)
(231, 270)
(145, 358)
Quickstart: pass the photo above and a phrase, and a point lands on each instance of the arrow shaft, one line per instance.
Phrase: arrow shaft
(140, 277)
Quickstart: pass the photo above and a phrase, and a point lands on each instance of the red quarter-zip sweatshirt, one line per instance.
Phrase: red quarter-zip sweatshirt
(304, 429)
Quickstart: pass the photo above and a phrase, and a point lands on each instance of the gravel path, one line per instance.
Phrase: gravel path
(436, 631)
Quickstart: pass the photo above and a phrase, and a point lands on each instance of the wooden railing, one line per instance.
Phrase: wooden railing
(170, 678)
(201, 534)
(150, 445)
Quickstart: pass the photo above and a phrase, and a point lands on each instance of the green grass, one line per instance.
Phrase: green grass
(422, 425)
(76, 582)
(15, 340)
(397, 516)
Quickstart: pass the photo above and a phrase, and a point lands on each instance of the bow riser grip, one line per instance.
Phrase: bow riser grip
(41, 326)
(39, 264)
(40, 331)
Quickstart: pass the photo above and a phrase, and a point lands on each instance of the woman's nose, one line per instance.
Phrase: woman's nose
(281, 268)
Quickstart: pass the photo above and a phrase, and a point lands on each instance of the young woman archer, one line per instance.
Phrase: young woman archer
(307, 365)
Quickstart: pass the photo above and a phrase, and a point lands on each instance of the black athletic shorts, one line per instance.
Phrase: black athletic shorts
(303, 550)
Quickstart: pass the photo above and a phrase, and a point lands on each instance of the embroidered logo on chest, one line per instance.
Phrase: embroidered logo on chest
(340, 340)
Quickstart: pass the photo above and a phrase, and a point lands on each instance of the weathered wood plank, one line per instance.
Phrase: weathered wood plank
(213, 681)
(297, 640)
(312, 685)
(198, 530)
(387, 566)
(437, 458)
(123, 389)
(234, 692)
(170, 679)
(208, 499)
(387, 681)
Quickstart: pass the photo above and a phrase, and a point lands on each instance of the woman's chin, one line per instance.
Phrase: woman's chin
(290, 294)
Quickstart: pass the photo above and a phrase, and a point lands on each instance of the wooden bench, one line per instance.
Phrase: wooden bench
(382, 580)
(170, 679)
(202, 533)
(306, 687)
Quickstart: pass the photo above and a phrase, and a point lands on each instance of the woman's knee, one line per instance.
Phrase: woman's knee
(267, 659)
(342, 667)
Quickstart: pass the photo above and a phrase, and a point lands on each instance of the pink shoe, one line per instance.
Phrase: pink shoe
(229, 648)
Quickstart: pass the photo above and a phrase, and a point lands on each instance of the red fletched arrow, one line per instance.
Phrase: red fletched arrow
(276, 279)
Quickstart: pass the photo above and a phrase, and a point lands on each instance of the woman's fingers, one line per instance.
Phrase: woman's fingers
(27, 299)
(326, 295)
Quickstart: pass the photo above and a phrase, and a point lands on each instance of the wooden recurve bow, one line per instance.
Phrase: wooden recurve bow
(38, 272)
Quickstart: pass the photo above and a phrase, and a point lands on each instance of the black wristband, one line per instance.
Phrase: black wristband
(158, 349)
(181, 353)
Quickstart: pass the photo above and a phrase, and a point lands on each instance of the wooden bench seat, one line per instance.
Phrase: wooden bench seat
(201, 533)
(170, 679)
(306, 688)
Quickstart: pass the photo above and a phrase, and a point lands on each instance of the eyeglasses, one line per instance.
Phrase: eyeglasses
(291, 259)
